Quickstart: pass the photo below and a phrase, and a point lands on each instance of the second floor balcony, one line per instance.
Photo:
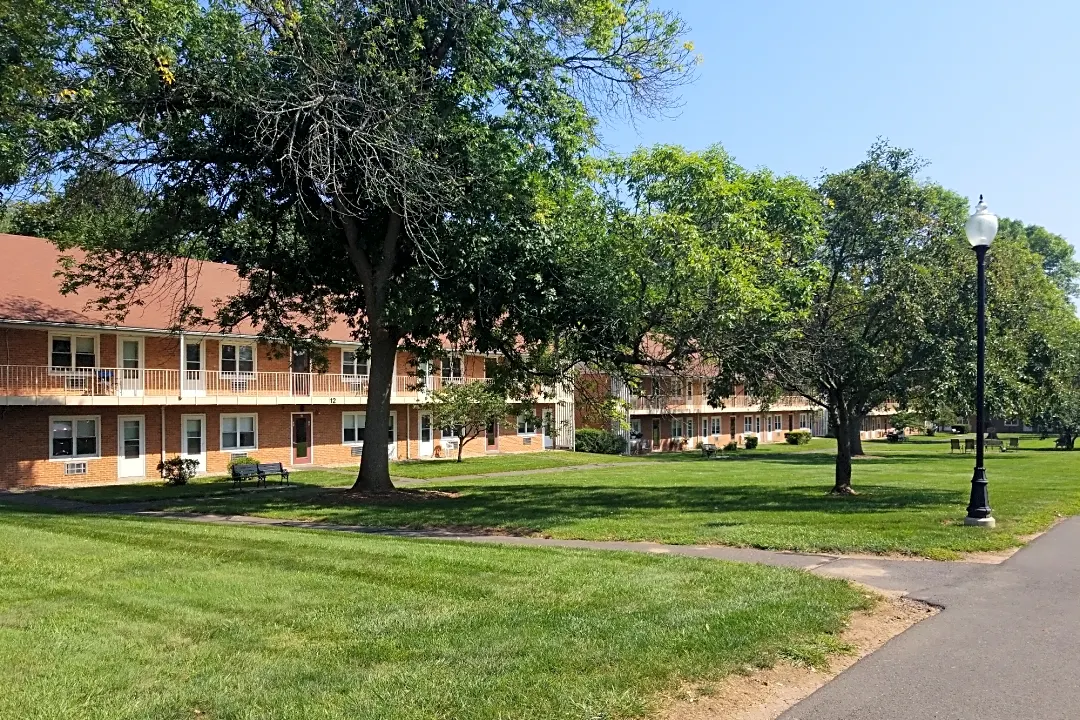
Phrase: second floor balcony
(693, 403)
(44, 385)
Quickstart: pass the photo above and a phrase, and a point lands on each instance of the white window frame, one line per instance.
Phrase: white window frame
(676, 428)
(238, 344)
(353, 443)
(120, 351)
(448, 362)
(635, 427)
(73, 419)
(716, 425)
(356, 351)
(221, 431)
(520, 420)
(748, 424)
(757, 424)
(57, 369)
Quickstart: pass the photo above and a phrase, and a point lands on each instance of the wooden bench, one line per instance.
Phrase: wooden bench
(708, 450)
(994, 442)
(260, 472)
(1014, 443)
(954, 445)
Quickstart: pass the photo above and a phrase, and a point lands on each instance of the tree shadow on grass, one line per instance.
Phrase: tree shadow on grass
(535, 507)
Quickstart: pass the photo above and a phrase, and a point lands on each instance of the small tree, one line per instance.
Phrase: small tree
(466, 409)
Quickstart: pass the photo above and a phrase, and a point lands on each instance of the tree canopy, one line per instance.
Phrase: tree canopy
(392, 161)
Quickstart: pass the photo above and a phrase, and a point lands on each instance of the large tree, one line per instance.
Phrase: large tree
(1057, 254)
(884, 319)
(690, 264)
(392, 161)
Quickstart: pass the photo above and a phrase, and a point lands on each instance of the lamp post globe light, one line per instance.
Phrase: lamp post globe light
(981, 229)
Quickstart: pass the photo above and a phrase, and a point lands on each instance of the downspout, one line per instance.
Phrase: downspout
(408, 426)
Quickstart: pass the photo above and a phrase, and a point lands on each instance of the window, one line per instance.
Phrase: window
(236, 358)
(747, 424)
(718, 426)
(352, 428)
(193, 357)
(73, 437)
(689, 427)
(451, 367)
(778, 422)
(676, 427)
(526, 424)
(802, 421)
(238, 432)
(353, 363)
(635, 429)
(73, 351)
(757, 423)
(391, 434)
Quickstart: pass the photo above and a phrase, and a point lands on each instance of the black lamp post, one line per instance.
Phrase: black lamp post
(981, 229)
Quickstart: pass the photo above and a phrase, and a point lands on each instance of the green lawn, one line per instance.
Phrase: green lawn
(116, 618)
(340, 477)
(912, 500)
(499, 463)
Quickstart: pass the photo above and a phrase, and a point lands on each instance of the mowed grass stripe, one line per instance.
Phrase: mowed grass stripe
(129, 618)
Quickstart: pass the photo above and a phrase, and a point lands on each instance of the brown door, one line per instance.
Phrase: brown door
(301, 438)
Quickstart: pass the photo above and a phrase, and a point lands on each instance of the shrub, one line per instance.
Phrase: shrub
(177, 470)
(591, 440)
(243, 460)
(797, 437)
(750, 441)
(732, 446)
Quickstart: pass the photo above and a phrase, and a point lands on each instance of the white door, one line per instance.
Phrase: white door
(193, 440)
(131, 458)
(131, 366)
(549, 441)
(426, 445)
(194, 369)
(424, 369)
(391, 444)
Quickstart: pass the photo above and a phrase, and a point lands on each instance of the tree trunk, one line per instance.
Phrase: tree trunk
(843, 431)
(460, 447)
(855, 424)
(374, 474)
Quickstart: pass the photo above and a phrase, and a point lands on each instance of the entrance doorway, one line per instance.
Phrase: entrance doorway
(131, 456)
(547, 427)
(301, 373)
(301, 438)
(427, 447)
(193, 440)
(131, 366)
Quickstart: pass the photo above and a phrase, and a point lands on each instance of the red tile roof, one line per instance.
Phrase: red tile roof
(30, 292)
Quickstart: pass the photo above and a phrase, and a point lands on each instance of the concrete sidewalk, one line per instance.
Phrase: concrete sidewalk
(1006, 647)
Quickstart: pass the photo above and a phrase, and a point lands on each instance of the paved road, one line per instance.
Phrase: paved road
(1006, 647)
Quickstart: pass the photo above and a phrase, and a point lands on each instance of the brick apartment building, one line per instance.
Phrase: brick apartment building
(671, 414)
(84, 400)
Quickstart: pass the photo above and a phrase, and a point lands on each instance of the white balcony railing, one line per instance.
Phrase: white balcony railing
(44, 381)
(700, 403)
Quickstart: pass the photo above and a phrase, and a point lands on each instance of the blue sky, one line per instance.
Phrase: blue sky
(988, 92)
